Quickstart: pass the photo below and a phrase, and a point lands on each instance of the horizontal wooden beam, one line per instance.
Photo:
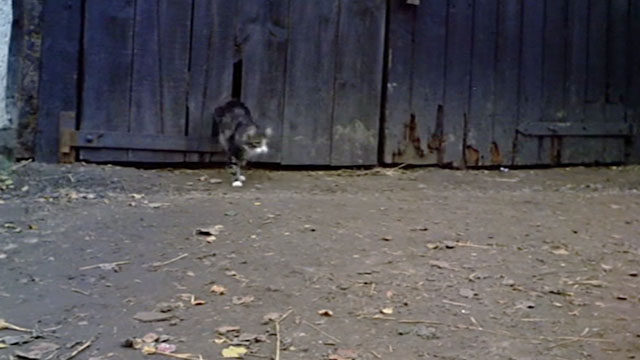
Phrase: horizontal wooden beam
(121, 140)
(541, 128)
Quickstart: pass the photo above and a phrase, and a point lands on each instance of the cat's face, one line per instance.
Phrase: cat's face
(255, 141)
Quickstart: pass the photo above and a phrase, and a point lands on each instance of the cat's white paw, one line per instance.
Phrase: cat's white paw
(242, 178)
(236, 183)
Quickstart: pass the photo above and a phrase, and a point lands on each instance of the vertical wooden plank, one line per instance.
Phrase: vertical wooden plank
(554, 61)
(531, 150)
(633, 79)
(507, 74)
(62, 31)
(399, 143)
(458, 69)
(201, 42)
(576, 63)
(415, 86)
(211, 66)
(606, 31)
(616, 91)
(578, 149)
(160, 65)
(481, 99)
(306, 132)
(174, 18)
(145, 78)
(597, 61)
(263, 26)
(427, 98)
(617, 39)
(358, 82)
(108, 51)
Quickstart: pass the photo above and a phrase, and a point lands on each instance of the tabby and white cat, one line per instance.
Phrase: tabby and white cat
(240, 137)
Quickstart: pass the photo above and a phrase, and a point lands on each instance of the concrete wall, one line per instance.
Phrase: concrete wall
(7, 126)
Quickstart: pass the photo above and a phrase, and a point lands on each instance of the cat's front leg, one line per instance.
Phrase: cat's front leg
(236, 175)
(239, 177)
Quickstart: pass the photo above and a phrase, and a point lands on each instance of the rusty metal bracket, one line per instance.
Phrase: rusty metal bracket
(68, 138)
(542, 128)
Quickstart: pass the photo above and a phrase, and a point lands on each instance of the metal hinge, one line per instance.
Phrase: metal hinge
(68, 138)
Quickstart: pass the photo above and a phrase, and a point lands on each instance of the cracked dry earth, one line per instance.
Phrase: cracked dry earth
(367, 264)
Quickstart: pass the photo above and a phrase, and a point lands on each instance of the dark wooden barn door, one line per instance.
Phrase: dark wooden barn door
(153, 71)
(151, 77)
(511, 82)
(467, 82)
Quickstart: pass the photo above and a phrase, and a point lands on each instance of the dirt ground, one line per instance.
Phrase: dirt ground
(365, 264)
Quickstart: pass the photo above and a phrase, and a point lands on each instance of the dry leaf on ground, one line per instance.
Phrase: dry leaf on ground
(234, 352)
(226, 329)
(325, 312)
(207, 231)
(387, 310)
(150, 337)
(441, 264)
(241, 300)
(218, 289)
(272, 316)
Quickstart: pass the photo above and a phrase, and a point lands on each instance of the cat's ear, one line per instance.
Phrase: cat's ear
(268, 132)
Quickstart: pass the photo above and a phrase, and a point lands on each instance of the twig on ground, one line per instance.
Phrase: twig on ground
(392, 170)
(577, 338)
(104, 265)
(376, 354)
(495, 332)
(52, 328)
(562, 343)
(469, 244)
(475, 322)
(277, 322)
(5, 325)
(19, 165)
(79, 291)
(179, 356)
(428, 322)
(572, 339)
(376, 317)
(503, 179)
(454, 303)
(553, 272)
(163, 263)
(322, 331)
(77, 351)
(52, 355)
(401, 321)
